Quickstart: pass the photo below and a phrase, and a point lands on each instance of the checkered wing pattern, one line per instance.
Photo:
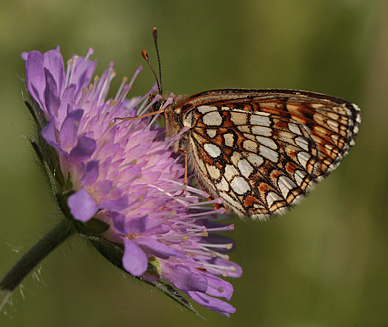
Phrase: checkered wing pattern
(263, 150)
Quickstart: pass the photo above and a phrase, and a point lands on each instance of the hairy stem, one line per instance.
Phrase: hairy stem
(55, 237)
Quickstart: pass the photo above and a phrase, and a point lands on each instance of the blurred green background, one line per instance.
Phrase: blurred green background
(325, 263)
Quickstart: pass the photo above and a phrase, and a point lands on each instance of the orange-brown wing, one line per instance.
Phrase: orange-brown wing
(261, 150)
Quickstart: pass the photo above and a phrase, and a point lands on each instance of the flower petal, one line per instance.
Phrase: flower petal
(137, 225)
(134, 260)
(35, 79)
(230, 268)
(83, 72)
(126, 175)
(84, 148)
(69, 129)
(82, 205)
(212, 303)
(49, 133)
(219, 287)
(91, 173)
(67, 103)
(51, 98)
(184, 278)
(158, 248)
(53, 61)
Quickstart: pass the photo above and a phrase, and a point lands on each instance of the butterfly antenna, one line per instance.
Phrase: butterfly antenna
(155, 35)
(145, 56)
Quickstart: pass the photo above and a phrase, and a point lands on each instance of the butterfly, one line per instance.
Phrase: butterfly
(263, 150)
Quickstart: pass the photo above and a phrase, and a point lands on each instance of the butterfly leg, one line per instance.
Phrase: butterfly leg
(218, 206)
(186, 169)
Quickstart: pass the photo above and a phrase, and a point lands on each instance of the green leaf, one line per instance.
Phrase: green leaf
(114, 254)
(173, 294)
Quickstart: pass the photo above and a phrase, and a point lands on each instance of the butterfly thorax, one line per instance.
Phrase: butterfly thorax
(175, 121)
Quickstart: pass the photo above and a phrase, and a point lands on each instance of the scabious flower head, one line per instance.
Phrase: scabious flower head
(124, 173)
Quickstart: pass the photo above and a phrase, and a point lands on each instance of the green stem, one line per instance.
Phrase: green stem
(55, 237)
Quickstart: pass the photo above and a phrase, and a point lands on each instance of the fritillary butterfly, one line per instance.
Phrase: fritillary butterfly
(261, 151)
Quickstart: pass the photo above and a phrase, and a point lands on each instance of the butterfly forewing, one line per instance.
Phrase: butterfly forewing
(261, 150)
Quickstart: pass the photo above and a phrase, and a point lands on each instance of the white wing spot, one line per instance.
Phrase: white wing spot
(333, 124)
(205, 109)
(302, 142)
(211, 133)
(212, 118)
(255, 160)
(235, 158)
(244, 129)
(333, 115)
(239, 185)
(212, 150)
(303, 158)
(294, 128)
(319, 119)
(317, 105)
(250, 146)
(260, 130)
(272, 197)
(214, 172)
(269, 154)
(260, 119)
(223, 185)
(335, 138)
(249, 136)
(285, 185)
(188, 120)
(239, 118)
(245, 168)
(230, 172)
(229, 139)
(267, 142)
(299, 176)
(331, 148)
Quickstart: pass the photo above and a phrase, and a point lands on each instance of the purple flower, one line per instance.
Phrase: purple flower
(125, 174)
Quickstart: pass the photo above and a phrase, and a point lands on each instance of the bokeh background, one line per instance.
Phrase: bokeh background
(325, 263)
